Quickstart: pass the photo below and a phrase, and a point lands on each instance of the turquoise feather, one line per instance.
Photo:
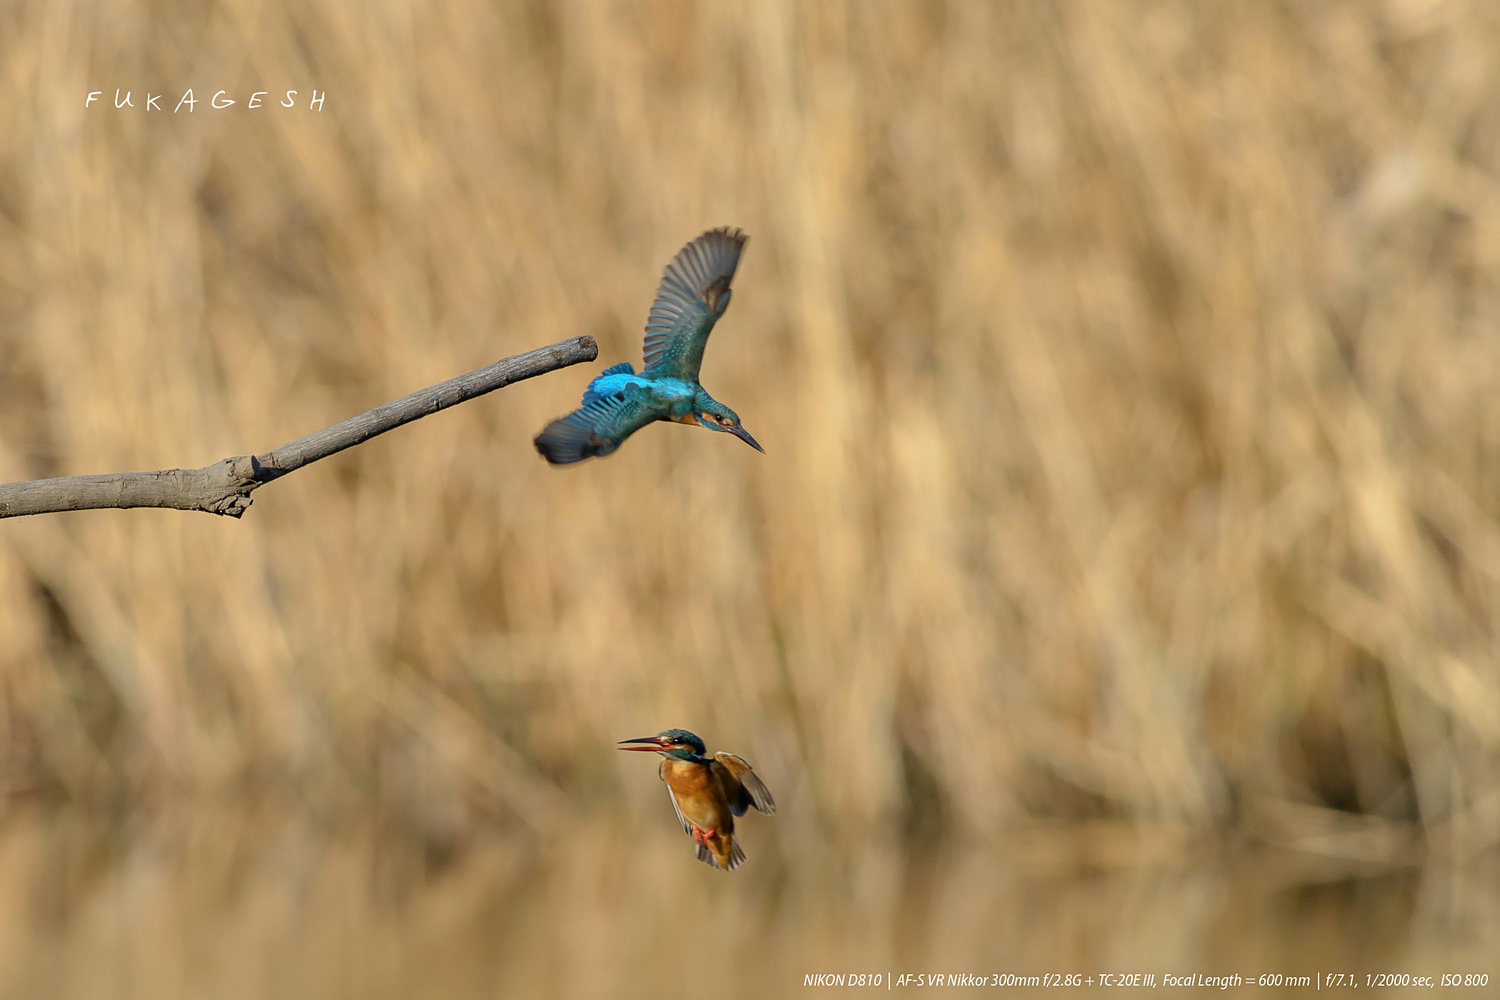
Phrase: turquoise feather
(693, 294)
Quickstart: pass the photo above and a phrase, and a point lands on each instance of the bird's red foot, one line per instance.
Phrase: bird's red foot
(698, 837)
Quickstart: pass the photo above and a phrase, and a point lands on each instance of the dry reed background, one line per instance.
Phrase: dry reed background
(1128, 375)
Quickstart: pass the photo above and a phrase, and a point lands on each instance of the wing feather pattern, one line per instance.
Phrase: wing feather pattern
(693, 294)
(597, 428)
(743, 785)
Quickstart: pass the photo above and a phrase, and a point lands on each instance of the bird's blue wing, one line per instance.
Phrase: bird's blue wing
(693, 294)
(596, 428)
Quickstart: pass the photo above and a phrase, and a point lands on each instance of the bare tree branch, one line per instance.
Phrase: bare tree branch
(225, 486)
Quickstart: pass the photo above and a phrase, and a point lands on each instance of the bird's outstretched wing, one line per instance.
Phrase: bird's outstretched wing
(693, 294)
(596, 428)
(744, 787)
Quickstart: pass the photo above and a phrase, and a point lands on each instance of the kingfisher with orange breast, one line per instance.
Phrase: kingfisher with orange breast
(707, 792)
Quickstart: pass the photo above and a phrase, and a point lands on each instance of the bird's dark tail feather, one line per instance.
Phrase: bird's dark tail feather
(563, 442)
(736, 856)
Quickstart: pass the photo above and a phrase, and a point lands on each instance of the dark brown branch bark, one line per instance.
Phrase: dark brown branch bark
(225, 486)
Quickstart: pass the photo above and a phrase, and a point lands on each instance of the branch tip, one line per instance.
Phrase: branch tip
(225, 486)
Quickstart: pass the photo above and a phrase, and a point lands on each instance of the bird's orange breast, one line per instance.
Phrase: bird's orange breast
(698, 793)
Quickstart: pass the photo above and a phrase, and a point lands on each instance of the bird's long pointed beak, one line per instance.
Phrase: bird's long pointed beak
(655, 743)
(744, 436)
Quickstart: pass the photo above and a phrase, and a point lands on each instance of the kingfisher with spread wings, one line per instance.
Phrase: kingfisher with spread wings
(707, 792)
(693, 294)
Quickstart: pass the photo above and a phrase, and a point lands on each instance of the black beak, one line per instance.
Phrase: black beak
(655, 743)
(744, 436)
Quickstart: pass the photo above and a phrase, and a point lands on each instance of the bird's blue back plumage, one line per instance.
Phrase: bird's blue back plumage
(612, 380)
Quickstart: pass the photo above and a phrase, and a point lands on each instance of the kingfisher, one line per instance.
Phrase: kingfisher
(693, 294)
(707, 793)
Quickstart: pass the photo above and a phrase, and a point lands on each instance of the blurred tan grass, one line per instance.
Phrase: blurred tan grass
(1128, 376)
